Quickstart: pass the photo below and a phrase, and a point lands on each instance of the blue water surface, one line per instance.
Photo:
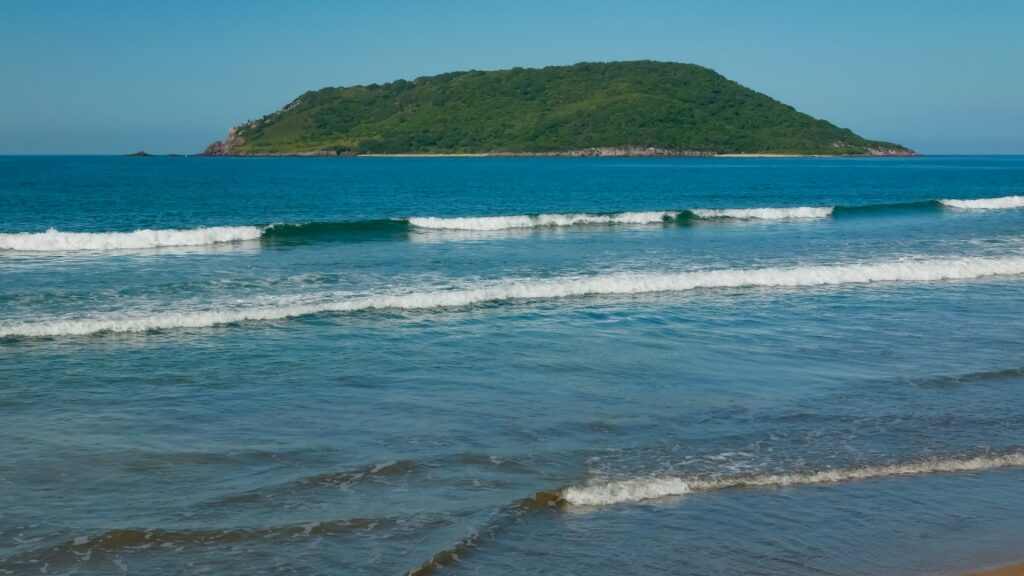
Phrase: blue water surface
(216, 408)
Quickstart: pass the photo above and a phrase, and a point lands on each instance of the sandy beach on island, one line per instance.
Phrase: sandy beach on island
(568, 154)
(1011, 570)
(417, 155)
(757, 155)
(541, 155)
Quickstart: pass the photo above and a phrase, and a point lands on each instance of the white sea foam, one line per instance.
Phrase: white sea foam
(531, 289)
(637, 489)
(634, 490)
(490, 223)
(56, 241)
(1001, 203)
(766, 213)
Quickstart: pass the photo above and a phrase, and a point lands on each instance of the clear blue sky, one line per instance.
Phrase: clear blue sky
(109, 76)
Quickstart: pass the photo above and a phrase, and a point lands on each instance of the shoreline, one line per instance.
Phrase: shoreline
(550, 155)
(570, 155)
(1008, 570)
(228, 148)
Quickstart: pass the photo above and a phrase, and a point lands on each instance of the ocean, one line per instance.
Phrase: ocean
(511, 365)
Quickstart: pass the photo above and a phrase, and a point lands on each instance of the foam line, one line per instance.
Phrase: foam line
(491, 223)
(638, 489)
(54, 240)
(530, 289)
(1002, 203)
(766, 213)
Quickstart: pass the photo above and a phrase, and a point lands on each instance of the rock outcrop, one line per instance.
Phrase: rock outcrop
(616, 151)
(224, 147)
(890, 152)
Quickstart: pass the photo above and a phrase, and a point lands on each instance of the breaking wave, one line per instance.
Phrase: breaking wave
(766, 213)
(490, 223)
(638, 489)
(1002, 203)
(54, 240)
(598, 493)
(530, 289)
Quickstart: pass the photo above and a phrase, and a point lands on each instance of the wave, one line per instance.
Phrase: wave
(54, 240)
(597, 494)
(123, 538)
(968, 378)
(74, 552)
(491, 223)
(765, 213)
(638, 489)
(304, 230)
(344, 479)
(532, 289)
(679, 217)
(890, 208)
(1002, 203)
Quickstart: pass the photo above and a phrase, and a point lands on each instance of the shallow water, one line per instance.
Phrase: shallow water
(588, 366)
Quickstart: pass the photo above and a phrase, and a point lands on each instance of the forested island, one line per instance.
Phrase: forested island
(641, 108)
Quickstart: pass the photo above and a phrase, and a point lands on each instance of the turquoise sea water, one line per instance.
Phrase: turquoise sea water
(511, 366)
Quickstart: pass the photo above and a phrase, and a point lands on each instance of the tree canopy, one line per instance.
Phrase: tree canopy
(672, 106)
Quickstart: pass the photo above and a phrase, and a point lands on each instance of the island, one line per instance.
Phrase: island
(640, 108)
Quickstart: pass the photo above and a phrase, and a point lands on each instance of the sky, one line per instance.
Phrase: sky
(116, 76)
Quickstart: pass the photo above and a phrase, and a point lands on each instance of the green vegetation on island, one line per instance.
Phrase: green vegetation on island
(632, 108)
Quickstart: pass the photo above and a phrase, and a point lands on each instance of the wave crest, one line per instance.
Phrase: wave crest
(533, 289)
(1001, 203)
(596, 494)
(800, 212)
(54, 240)
(633, 490)
(637, 489)
(491, 223)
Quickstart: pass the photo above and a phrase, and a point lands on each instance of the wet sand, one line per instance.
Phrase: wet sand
(1012, 570)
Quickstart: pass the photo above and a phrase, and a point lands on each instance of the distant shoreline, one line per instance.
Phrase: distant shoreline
(752, 155)
(550, 155)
